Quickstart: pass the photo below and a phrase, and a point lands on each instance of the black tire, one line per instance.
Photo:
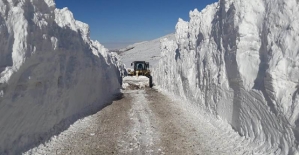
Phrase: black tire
(150, 81)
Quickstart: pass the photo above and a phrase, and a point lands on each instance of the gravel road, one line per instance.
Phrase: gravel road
(144, 121)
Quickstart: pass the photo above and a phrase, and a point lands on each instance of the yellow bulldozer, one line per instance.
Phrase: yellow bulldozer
(140, 75)
(140, 68)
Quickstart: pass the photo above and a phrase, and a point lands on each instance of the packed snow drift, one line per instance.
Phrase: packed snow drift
(51, 72)
(240, 61)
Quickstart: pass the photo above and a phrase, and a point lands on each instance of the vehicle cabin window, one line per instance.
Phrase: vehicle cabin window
(139, 66)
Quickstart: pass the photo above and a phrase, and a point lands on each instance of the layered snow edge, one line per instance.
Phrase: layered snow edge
(51, 72)
(239, 60)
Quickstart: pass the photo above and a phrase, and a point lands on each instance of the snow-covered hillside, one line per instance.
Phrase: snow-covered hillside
(51, 72)
(240, 61)
(144, 51)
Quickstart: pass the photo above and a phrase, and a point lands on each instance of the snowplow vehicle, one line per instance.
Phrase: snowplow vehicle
(138, 77)
(140, 68)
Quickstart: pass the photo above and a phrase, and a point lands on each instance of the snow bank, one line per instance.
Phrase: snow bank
(240, 61)
(51, 73)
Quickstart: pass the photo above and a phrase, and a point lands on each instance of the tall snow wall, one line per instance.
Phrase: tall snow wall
(240, 60)
(52, 73)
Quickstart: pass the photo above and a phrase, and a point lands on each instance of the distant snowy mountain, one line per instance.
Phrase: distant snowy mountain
(144, 51)
(240, 61)
(51, 73)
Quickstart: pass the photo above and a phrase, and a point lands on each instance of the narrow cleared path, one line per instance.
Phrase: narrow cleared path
(145, 121)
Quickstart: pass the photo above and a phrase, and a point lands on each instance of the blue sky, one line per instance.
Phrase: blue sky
(118, 23)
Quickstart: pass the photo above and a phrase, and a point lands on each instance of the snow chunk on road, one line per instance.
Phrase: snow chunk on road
(135, 81)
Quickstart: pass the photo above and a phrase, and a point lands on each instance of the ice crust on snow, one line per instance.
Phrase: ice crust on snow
(239, 60)
(51, 72)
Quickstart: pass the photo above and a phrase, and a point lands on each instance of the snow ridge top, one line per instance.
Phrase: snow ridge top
(50, 3)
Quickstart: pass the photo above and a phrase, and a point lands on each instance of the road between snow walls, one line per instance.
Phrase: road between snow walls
(51, 73)
(147, 121)
(239, 61)
(236, 59)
